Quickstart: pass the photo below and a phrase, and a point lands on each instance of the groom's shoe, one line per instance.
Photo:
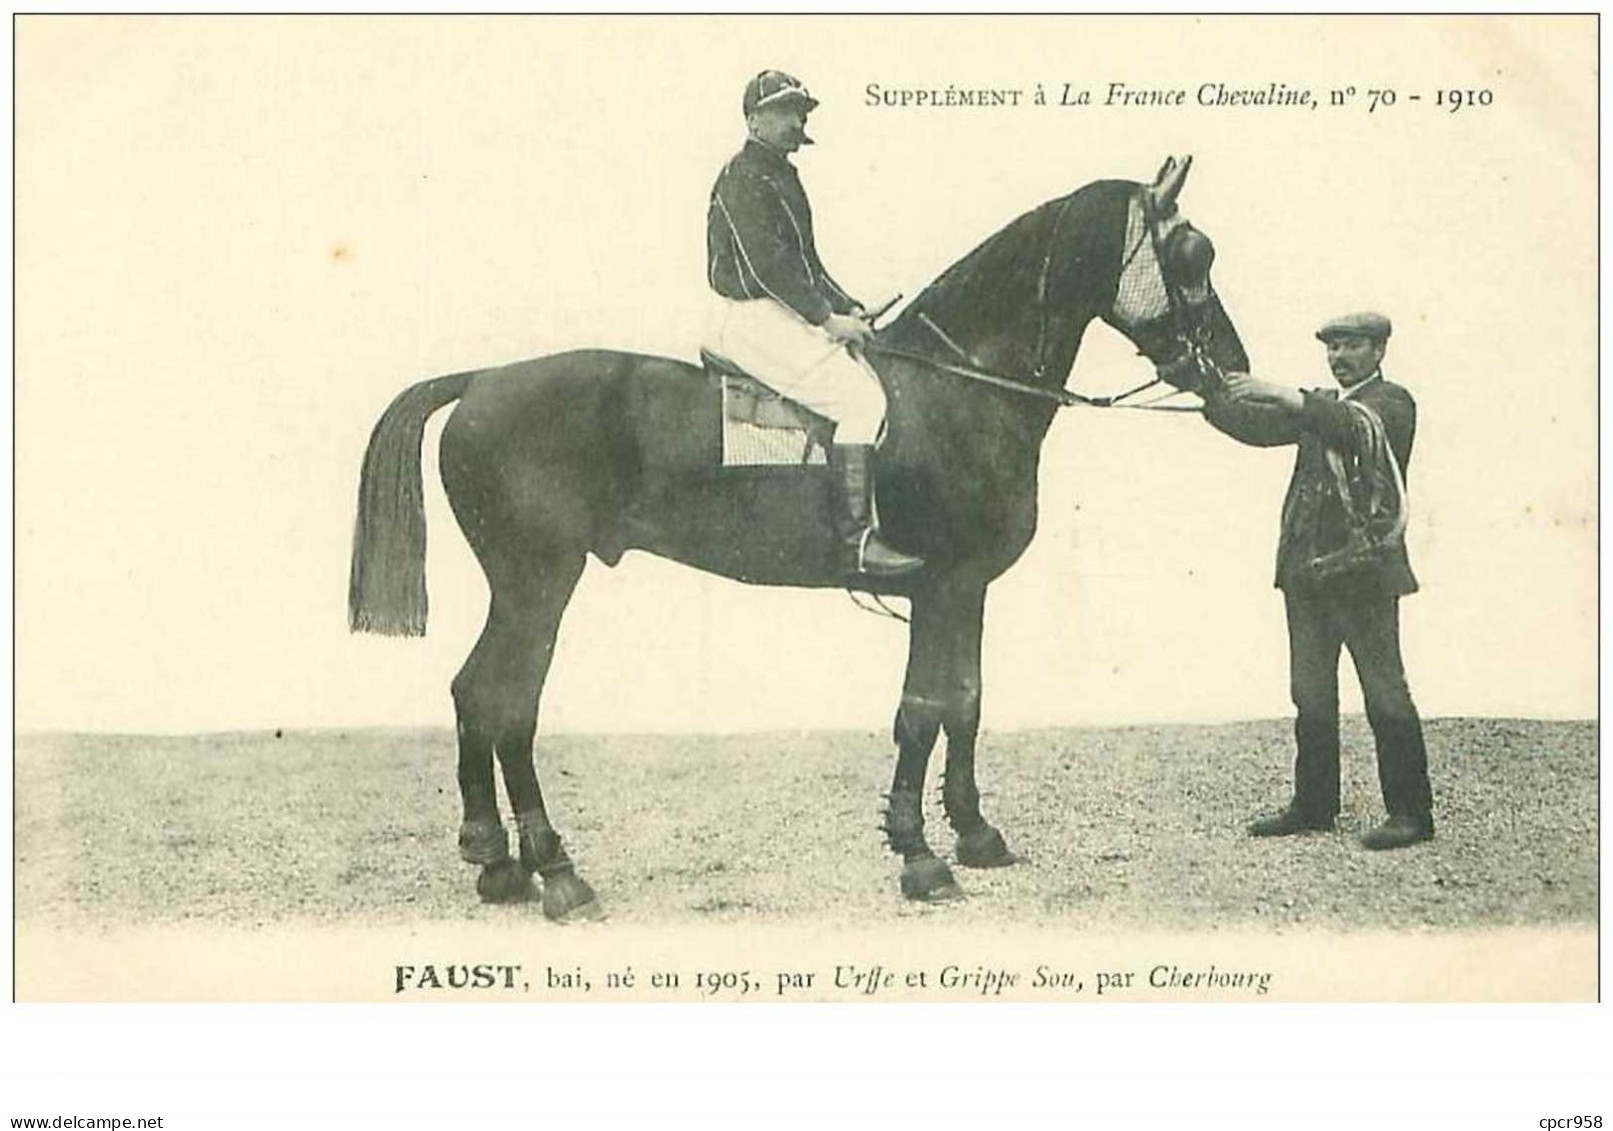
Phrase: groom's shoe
(1290, 821)
(1398, 832)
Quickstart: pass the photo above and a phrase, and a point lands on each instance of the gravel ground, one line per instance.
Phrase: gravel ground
(1123, 828)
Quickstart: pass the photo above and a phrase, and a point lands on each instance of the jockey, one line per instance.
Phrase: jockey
(778, 314)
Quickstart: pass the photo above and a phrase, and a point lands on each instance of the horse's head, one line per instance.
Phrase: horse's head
(1164, 301)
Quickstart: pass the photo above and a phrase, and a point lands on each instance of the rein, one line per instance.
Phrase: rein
(1064, 398)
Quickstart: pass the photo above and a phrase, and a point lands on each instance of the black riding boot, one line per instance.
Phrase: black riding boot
(861, 551)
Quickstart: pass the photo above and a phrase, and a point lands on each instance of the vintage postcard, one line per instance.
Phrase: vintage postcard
(650, 509)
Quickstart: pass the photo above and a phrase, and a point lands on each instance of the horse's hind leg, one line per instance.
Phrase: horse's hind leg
(496, 697)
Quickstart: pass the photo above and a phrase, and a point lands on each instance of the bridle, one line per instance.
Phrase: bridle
(1190, 333)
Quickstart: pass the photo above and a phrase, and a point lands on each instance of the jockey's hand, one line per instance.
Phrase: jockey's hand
(848, 329)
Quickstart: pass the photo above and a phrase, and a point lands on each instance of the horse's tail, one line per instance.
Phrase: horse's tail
(386, 585)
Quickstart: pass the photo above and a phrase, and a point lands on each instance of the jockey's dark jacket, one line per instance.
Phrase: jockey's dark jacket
(1314, 521)
(759, 237)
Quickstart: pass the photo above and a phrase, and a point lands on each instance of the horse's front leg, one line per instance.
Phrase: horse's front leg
(980, 845)
(919, 718)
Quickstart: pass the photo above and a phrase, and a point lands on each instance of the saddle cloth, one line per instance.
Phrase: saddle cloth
(760, 428)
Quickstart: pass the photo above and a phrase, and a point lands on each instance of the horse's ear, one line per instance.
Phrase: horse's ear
(1168, 185)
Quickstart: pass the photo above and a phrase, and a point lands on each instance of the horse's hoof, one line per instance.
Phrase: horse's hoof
(984, 848)
(929, 879)
(946, 893)
(567, 898)
(591, 912)
(504, 881)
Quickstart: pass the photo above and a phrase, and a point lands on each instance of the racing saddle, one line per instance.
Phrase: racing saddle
(752, 410)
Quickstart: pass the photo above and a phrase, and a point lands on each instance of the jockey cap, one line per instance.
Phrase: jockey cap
(771, 87)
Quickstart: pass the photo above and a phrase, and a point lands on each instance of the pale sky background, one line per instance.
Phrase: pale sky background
(238, 239)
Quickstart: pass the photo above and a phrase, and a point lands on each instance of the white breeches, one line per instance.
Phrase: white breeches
(801, 361)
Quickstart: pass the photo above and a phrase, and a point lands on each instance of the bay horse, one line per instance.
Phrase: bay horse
(595, 451)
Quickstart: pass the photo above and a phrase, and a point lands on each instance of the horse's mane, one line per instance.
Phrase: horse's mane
(997, 282)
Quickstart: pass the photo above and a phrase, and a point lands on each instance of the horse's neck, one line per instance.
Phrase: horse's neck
(1019, 304)
(1012, 346)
